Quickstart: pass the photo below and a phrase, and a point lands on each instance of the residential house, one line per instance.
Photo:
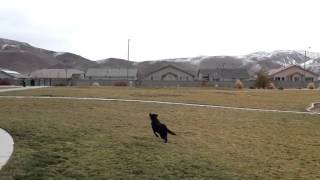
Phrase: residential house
(54, 76)
(112, 73)
(9, 74)
(293, 73)
(169, 73)
(57, 74)
(223, 74)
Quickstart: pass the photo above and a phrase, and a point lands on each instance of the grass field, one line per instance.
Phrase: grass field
(269, 99)
(68, 139)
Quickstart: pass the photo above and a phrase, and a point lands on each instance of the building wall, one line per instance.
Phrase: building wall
(112, 78)
(228, 84)
(169, 74)
(148, 83)
(292, 73)
(212, 78)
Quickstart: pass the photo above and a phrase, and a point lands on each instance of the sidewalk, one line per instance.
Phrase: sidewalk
(21, 88)
(7, 146)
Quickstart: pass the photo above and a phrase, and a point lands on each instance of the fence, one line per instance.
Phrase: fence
(291, 85)
(149, 83)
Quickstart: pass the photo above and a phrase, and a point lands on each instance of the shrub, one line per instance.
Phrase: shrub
(271, 85)
(120, 83)
(262, 80)
(95, 84)
(238, 84)
(311, 86)
(281, 88)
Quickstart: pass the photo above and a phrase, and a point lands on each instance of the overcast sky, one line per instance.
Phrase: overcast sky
(162, 28)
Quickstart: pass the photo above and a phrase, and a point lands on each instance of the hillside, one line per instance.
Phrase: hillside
(24, 58)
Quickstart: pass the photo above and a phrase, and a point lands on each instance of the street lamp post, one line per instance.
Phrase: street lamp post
(128, 58)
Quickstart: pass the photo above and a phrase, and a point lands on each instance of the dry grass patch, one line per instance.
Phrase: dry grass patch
(113, 140)
(268, 99)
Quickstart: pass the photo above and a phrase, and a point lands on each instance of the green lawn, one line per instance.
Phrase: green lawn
(68, 139)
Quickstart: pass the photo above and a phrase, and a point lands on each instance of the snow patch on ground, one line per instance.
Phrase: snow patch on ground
(58, 54)
(5, 46)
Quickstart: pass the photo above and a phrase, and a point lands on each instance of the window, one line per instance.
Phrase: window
(310, 79)
(187, 78)
(277, 78)
(205, 78)
(151, 78)
(282, 78)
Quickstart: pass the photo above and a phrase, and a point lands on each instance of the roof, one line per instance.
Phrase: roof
(55, 73)
(111, 72)
(11, 73)
(170, 66)
(276, 71)
(226, 73)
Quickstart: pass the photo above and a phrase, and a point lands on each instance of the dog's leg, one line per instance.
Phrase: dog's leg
(164, 137)
(154, 132)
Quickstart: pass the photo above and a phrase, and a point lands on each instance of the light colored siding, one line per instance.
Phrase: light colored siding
(169, 74)
(293, 74)
(112, 73)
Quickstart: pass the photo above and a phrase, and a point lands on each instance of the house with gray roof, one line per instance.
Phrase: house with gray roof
(51, 77)
(112, 73)
(57, 74)
(223, 74)
(293, 73)
(169, 73)
(9, 74)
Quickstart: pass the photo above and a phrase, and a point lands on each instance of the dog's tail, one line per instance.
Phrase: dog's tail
(170, 132)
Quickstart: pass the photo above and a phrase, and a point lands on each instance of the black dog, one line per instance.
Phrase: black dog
(160, 128)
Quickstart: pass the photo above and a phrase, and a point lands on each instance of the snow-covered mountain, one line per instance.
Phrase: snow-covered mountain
(23, 57)
(257, 61)
(313, 65)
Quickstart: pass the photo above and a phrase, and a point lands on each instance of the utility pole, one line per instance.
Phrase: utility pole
(128, 59)
(222, 70)
(304, 64)
(66, 69)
